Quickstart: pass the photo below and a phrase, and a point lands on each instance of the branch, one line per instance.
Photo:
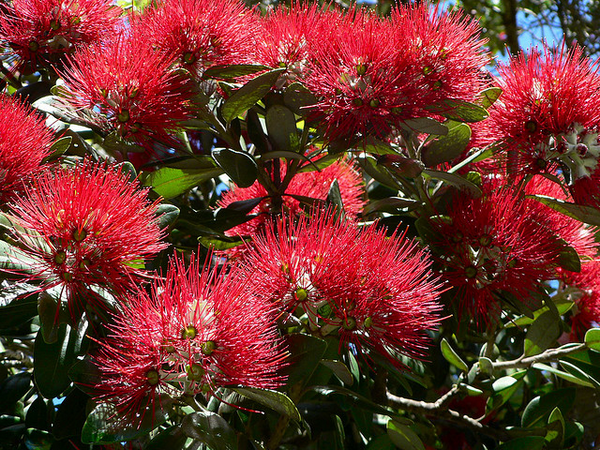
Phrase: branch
(523, 362)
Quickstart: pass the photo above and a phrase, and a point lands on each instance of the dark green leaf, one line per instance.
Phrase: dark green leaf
(13, 389)
(586, 214)
(340, 370)
(172, 438)
(377, 147)
(71, 415)
(503, 389)
(378, 173)
(167, 215)
(18, 312)
(524, 443)
(227, 72)
(246, 96)
(211, 429)
(275, 400)
(281, 126)
(488, 96)
(334, 199)
(53, 361)
(452, 357)
(556, 428)
(391, 204)
(542, 333)
(403, 436)
(448, 147)
(169, 182)
(568, 258)
(306, 353)
(239, 166)
(105, 426)
(59, 147)
(425, 125)
(299, 99)
(356, 399)
(37, 415)
(320, 163)
(220, 244)
(459, 110)
(115, 143)
(538, 410)
(455, 180)
(562, 374)
(583, 372)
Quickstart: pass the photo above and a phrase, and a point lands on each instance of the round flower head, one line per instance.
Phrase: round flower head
(493, 247)
(125, 87)
(86, 227)
(289, 38)
(24, 143)
(376, 292)
(587, 298)
(201, 33)
(548, 113)
(40, 32)
(198, 329)
(306, 184)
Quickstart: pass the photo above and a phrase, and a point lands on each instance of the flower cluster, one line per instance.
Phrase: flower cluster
(87, 227)
(24, 143)
(376, 291)
(40, 32)
(198, 329)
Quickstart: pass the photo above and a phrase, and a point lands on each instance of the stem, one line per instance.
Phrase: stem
(295, 393)
(491, 341)
(548, 355)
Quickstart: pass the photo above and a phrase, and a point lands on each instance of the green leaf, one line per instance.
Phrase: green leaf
(281, 126)
(378, 173)
(12, 389)
(568, 258)
(377, 147)
(403, 437)
(356, 399)
(452, 357)
(53, 361)
(220, 244)
(586, 214)
(275, 400)
(448, 147)
(71, 415)
(320, 163)
(210, 429)
(524, 443)
(299, 99)
(504, 388)
(459, 110)
(592, 339)
(555, 429)
(18, 312)
(488, 96)
(306, 353)
(173, 438)
(239, 166)
(340, 370)
(486, 366)
(542, 333)
(169, 182)
(334, 199)
(561, 374)
(455, 180)
(391, 205)
(104, 425)
(247, 96)
(167, 215)
(425, 125)
(538, 410)
(582, 372)
(58, 148)
(227, 72)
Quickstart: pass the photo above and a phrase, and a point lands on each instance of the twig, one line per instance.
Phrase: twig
(524, 362)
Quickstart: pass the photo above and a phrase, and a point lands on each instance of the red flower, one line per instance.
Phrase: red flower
(40, 32)
(374, 74)
(290, 36)
(198, 329)
(587, 310)
(127, 88)
(493, 247)
(24, 143)
(87, 227)
(375, 291)
(202, 33)
(548, 113)
(314, 184)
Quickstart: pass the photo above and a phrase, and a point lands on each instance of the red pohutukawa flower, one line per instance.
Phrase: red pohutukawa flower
(198, 329)
(376, 291)
(548, 113)
(314, 184)
(586, 312)
(374, 74)
(289, 38)
(495, 247)
(24, 143)
(127, 88)
(202, 33)
(85, 228)
(40, 32)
